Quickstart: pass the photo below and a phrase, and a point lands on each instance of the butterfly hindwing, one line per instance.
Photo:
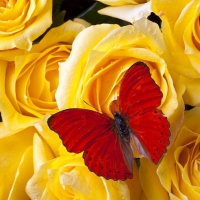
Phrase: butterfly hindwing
(94, 133)
(139, 98)
(106, 160)
(152, 130)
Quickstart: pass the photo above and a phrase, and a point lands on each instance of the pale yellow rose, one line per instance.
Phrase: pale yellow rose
(180, 28)
(28, 80)
(100, 56)
(127, 10)
(35, 164)
(179, 170)
(67, 177)
(21, 22)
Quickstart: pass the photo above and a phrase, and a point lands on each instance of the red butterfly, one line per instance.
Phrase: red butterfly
(106, 141)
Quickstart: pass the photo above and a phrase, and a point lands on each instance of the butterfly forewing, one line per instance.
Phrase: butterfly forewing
(139, 98)
(138, 91)
(77, 128)
(94, 133)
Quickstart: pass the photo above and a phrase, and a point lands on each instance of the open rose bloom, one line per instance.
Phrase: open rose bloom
(93, 75)
(21, 22)
(181, 34)
(178, 172)
(80, 65)
(29, 79)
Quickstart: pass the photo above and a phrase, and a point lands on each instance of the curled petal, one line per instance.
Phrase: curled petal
(129, 13)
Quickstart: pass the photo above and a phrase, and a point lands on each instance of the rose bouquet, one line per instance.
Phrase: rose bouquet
(60, 55)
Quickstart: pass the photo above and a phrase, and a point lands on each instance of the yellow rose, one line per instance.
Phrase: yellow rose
(93, 74)
(35, 164)
(127, 10)
(180, 28)
(67, 177)
(179, 172)
(28, 80)
(21, 22)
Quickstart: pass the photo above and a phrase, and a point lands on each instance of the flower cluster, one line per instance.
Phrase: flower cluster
(79, 65)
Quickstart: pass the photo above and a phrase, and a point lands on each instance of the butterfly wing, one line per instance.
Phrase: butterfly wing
(139, 98)
(92, 132)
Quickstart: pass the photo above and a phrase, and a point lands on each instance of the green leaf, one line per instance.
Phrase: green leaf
(58, 20)
(92, 16)
(56, 7)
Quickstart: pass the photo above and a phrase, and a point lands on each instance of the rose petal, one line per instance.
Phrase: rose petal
(129, 13)
(177, 171)
(190, 119)
(176, 119)
(134, 184)
(36, 20)
(13, 160)
(9, 114)
(82, 21)
(164, 9)
(69, 78)
(23, 174)
(150, 181)
(64, 33)
(68, 176)
(192, 93)
(50, 137)
(41, 152)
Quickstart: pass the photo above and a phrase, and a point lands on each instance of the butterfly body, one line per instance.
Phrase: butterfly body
(121, 126)
(105, 141)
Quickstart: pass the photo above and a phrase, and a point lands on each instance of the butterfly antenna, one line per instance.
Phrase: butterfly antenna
(114, 109)
(91, 106)
(115, 100)
(88, 104)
